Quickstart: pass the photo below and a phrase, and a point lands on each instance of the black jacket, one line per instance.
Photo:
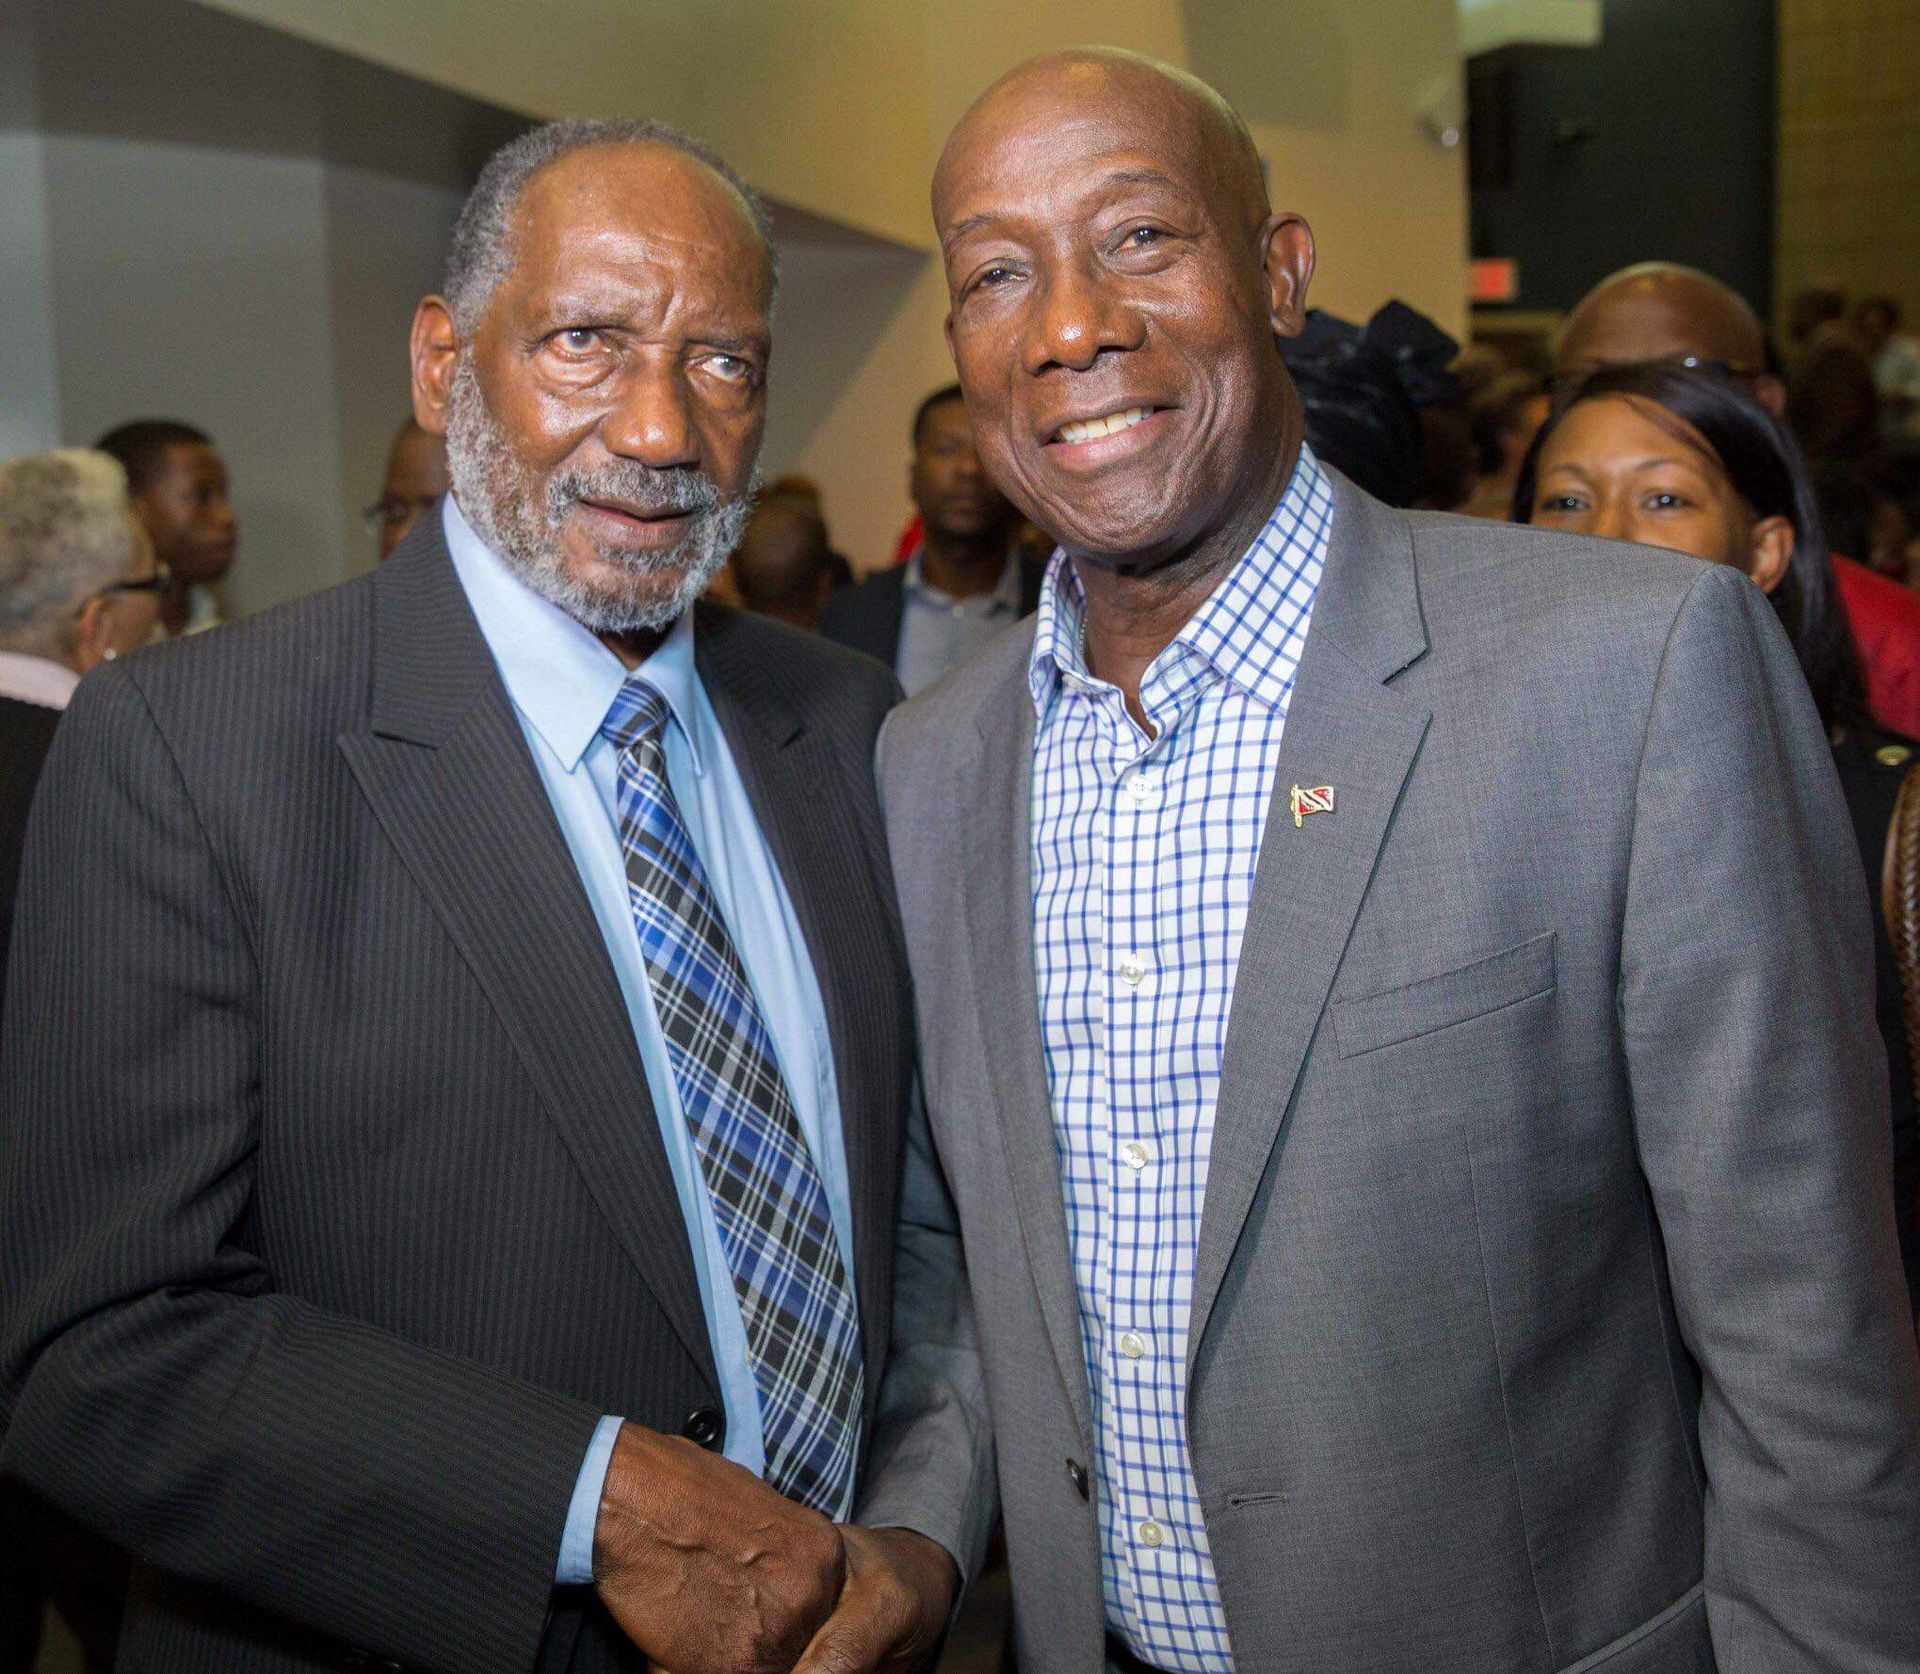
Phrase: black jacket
(336, 1211)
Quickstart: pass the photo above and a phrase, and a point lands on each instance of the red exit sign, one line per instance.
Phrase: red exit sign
(1494, 279)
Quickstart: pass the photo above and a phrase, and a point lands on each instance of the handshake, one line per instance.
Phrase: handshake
(709, 1571)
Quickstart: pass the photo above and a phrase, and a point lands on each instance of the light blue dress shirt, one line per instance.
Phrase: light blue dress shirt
(562, 681)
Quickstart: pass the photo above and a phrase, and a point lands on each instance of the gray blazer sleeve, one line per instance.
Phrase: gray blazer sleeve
(152, 1382)
(1759, 1097)
(931, 1465)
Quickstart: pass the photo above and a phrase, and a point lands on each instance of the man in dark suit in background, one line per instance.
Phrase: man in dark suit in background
(967, 579)
(468, 1012)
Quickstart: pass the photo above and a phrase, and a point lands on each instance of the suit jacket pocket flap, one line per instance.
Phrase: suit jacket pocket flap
(1368, 1022)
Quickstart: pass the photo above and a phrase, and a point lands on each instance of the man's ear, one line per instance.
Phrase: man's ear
(435, 349)
(1770, 553)
(91, 624)
(1286, 258)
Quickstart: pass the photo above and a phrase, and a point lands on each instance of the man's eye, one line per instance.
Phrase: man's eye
(1561, 503)
(578, 339)
(735, 369)
(1664, 500)
(998, 274)
(1142, 238)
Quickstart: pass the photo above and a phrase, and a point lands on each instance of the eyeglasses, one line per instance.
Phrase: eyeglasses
(396, 509)
(158, 582)
(1566, 383)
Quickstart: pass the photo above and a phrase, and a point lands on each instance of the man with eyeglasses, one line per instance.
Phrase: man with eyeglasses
(1660, 311)
(78, 586)
(416, 478)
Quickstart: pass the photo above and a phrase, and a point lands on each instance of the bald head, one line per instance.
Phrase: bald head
(1027, 106)
(1118, 287)
(1662, 311)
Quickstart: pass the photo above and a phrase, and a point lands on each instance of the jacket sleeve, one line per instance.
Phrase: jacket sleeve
(931, 1466)
(152, 1381)
(1760, 1108)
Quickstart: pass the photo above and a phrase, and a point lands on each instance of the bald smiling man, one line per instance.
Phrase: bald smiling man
(1412, 1224)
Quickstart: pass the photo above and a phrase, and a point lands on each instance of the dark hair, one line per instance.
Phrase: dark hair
(1833, 406)
(1494, 411)
(139, 444)
(939, 398)
(1767, 471)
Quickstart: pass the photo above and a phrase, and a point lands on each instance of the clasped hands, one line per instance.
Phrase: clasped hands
(709, 1571)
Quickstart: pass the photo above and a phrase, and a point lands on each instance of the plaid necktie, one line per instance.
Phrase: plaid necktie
(803, 1334)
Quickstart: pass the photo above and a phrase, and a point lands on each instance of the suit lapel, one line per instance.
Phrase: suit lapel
(1346, 728)
(446, 769)
(995, 782)
(827, 864)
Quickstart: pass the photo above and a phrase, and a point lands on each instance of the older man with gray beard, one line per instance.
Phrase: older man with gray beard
(455, 1130)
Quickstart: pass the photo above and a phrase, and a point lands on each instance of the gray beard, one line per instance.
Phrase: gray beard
(508, 509)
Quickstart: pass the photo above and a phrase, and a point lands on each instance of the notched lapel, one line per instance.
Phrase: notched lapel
(995, 782)
(1346, 728)
(446, 770)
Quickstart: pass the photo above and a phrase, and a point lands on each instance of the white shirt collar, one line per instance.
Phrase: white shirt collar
(37, 680)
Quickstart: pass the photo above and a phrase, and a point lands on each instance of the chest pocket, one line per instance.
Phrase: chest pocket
(1367, 1022)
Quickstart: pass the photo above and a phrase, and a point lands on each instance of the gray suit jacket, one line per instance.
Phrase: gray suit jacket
(1547, 1312)
(333, 1204)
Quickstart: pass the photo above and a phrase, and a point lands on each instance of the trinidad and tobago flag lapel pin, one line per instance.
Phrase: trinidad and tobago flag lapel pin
(1318, 800)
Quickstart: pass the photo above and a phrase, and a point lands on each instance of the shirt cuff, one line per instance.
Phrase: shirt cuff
(575, 1568)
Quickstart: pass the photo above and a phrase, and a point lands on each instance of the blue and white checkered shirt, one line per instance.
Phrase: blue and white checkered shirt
(1143, 860)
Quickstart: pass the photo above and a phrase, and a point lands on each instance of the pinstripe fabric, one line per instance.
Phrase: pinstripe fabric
(776, 1227)
(328, 1221)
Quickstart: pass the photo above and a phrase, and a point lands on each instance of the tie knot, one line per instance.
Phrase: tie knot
(638, 715)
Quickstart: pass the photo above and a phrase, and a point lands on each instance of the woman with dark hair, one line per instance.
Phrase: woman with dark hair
(1683, 459)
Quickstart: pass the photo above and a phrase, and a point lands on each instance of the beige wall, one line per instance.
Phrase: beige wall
(1849, 149)
(838, 108)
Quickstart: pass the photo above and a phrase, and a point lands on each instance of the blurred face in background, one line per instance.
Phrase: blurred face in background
(416, 478)
(1626, 469)
(948, 483)
(185, 507)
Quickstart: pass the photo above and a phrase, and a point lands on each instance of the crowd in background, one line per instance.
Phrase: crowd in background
(1661, 414)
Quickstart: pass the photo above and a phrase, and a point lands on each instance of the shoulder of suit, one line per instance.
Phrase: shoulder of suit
(321, 641)
(810, 668)
(1554, 582)
(995, 674)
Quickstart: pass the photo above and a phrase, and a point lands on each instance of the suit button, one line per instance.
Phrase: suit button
(705, 1427)
(1077, 1475)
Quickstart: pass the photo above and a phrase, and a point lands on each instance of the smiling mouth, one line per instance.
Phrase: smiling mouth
(1078, 432)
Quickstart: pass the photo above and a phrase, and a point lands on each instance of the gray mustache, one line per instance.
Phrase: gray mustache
(667, 491)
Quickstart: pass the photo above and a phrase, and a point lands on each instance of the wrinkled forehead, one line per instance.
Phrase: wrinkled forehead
(634, 206)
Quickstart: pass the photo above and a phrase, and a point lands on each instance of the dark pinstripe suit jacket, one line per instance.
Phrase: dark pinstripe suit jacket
(333, 1212)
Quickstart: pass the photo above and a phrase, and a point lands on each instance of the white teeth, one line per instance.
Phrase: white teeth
(1091, 430)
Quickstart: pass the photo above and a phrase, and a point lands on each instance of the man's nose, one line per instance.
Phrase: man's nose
(1079, 317)
(652, 421)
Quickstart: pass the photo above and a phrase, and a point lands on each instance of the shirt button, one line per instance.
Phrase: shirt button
(1133, 970)
(1135, 1155)
(1142, 786)
(1132, 1344)
(1151, 1534)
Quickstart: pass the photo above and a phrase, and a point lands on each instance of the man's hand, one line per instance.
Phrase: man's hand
(706, 1569)
(899, 1594)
